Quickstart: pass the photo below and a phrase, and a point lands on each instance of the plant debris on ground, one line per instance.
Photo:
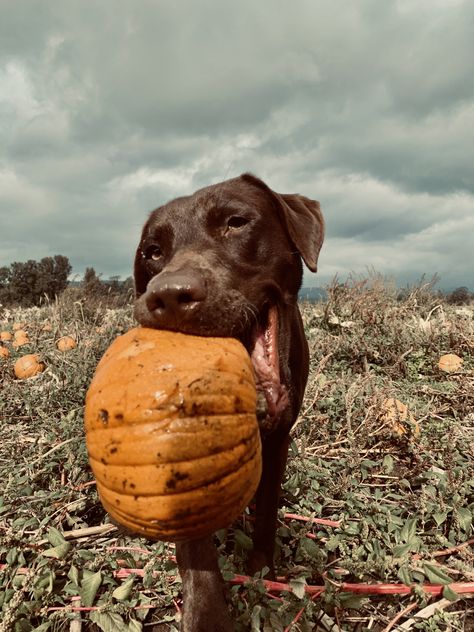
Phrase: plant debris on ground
(390, 485)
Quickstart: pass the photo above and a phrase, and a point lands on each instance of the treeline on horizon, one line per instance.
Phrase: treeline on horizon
(33, 283)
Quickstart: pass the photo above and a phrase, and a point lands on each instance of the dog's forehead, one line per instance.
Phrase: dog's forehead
(234, 194)
(223, 194)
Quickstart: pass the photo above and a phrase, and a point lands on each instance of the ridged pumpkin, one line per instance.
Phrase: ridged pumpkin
(28, 366)
(66, 343)
(5, 336)
(172, 433)
(450, 363)
(21, 341)
(20, 338)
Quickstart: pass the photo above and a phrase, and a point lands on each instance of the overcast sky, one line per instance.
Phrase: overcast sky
(110, 108)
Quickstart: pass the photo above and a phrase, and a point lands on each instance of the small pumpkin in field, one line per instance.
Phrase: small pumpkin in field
(18, 326)
(20, 341)
(28, 366)
(450, 363)
(19, 333)
(172, 433)
(4, 352)
(47, 327)
(66, 343)
(5, 336)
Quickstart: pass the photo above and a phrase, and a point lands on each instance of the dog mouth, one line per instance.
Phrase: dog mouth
(262, 346)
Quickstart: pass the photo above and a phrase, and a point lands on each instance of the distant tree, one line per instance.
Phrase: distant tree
(4, 285)
(30, 282)
(459, 296)
(91, 283)
(23, 282)
(53, 275)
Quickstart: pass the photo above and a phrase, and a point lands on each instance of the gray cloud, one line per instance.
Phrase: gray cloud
(109, 109)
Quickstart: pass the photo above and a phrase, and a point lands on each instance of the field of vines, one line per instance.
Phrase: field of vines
(375, 526)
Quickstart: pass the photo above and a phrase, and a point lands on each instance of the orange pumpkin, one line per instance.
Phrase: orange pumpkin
(66, 343)
(4, 353)
(5, 336)
(172, 433)
(450, 363)
(20, 342)
(28, 365)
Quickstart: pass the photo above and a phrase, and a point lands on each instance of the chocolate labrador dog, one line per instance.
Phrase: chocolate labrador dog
(227, 261)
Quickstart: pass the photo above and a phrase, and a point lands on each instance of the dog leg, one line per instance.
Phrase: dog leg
(275, 452)
(204, 605)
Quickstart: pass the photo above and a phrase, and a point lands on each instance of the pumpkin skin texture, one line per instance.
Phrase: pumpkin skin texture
(28, 366)
(172, 434)
(450, 363)
(66, 343)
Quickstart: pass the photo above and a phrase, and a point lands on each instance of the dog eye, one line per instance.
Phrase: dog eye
(236, 221)
(154, 253)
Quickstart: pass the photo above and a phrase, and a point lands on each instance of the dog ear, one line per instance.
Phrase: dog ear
(303, 220)
(305, 224)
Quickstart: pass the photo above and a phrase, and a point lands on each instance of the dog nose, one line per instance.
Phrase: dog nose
(171, 296)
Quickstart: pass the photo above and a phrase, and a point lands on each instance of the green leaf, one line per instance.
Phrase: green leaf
(464, 517)
(55, 537)
(333, 543)
(349, 600)
(310, 548)
(352, 528)
(435, 575)
(401, 550)
(89, 587)
(408, 530)
(243, 540)
(405, 576)
(73, 575)
(387, 463)
(11, 556)
(450, 594)
(58, 552)
(298, 587)
(107, 621)
(123, 591)
(255, 619)
(440, 517)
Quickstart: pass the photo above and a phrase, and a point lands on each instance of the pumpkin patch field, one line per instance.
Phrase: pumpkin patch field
(375, 525)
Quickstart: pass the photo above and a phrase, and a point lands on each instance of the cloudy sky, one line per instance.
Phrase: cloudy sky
(109, 109)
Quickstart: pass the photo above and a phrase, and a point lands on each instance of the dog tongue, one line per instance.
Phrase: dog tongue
(266, 362)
